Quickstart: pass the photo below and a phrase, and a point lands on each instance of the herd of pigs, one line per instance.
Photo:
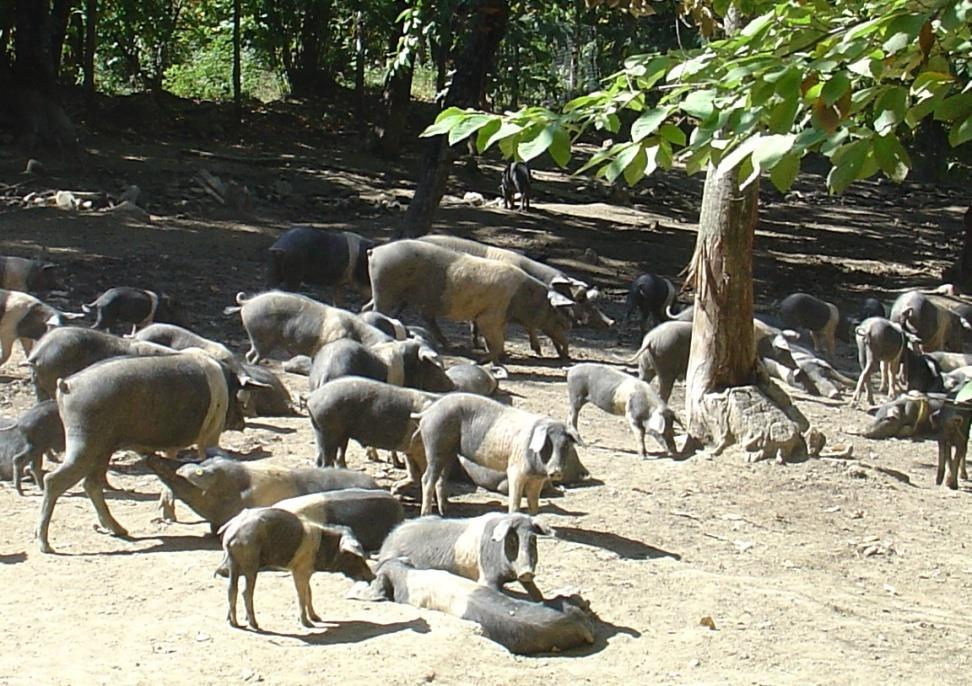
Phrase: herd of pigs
(161, 388)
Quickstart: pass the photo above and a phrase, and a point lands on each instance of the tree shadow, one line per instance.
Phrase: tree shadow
(165, 544)
(354, 631)
(13, 558)
(623, 547)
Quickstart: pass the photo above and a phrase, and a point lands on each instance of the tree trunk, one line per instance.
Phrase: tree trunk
(59, 20)
(90, 42)
(487, 27)
(395, 97)
(237, 67)
(359, 67)
(960, 273)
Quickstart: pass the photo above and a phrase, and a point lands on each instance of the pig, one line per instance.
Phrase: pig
(134, 307)
(475, 378)
(774, 344)
(270, 538)
(880, 344)
(493, 549)
(375, 414)
(871, 307)
(572, 473)
(24, 443)
(440, 282)
(520, 626)
(531, 449)
(178, 338)
(652, 297)
(70, 349)
(303, 255)
(956, 378)
(219, 488)
(905, 416)
(21, 274)
(423, 336)
(953, 443)
(370, 514)
(819, 376)
(271, 398)
(299, 364)
(26, 319)
(516, 179)
(664, 353)
(140, 403)
(297, 324)
(937, 327)
(617, 393)
(388, 325)
(948, 362)
(822, 319)
(921, 372)
(401, 363)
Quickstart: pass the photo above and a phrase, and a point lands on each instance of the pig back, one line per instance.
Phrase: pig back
(369, 513)
(474, 286)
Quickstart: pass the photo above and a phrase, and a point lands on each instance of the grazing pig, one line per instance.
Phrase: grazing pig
(516, 179)
(219, 488)
(493, 549)
(370, 513)
(140, 403)
(24, 318)
(387, 325)
(905, 416)
(401, 363)
(822, 319)
(269, 538)
(936, 326)
(520, 626)
(24, 443)
(652, 296)
(297, 325)
(271, 398)
(440, 282)
(375, 414)
(134, 307)
(953, 443)
(475, 378)
(178, 338)
(320, 257)
(21, 274)
(664, 353)
(67, 350)
(572, 473)
(531, 449)
(880, 345)
(617, 393)
(951, 361)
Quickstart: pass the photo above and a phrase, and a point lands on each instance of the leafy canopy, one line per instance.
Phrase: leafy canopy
(845, 78)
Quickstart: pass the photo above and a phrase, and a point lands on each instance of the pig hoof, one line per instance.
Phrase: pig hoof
(45, 547)
(307, 623)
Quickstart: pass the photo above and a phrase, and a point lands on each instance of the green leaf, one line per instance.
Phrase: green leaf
(529, 149)
(890, 108)
(505, 131)
(848, 161)
(835, 87)
(783, 114)
(635, 171)
(699, 104)
(560, 147)
(648, 123)
(486, 132)
(784, 173)
(892, 157)
(758, 24)
(443, 124)
(771, 149)
(738, 154)
(902, 31)
(961, 133)
(672, 133)
(761, 92)
(627, 155)
(468, 125)
(954, 107)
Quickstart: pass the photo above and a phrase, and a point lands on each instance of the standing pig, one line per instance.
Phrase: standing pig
(573, 472)
(516, 179)
(531, 449)
(320, 257)
(664, 353)
(21, 274)
(475, 378)
(134, 307)
(370, 514)
(142, 403)
(178, 338)
(24, 443)
(822, 319)
(652, 296)
(268, 538)
(617, 393)
(880, 345)
(401, 363)
(937, 327)
(297, 324)
(493, 549)
(443, 283)
(24, 318)
(953, 443)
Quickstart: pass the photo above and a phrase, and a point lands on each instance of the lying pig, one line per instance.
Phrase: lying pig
(387, 325)
(178, 338)
(617, 393)
(949, 362)
(140, 403)
(375, 414)
(268, 538)
(531, 449)
(219, 488)
(906, 416)
(572, 473)
(134, 307)
(21, 274)
(24, 318)
(303, 255)
(475, 378)
(520, 626)
(822, 319)
(664, 353)
(493, 549)
(24, 443)
(370, 514)
(956, 378)
(401, 363)
(297, 324)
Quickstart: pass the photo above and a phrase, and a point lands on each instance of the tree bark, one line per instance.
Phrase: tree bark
(359, 66)
(90, 43)
(487, 27)
(60, 13)
(237, 67)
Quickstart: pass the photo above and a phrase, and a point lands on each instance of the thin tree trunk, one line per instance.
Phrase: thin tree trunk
(359, 66)
(90, 43)
(487, 27)
(237, 67)
(395, 97)
(59, 20)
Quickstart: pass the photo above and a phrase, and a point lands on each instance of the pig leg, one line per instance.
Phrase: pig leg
(495, 339)
(577, 399)
(56, 483)
(94, 488)
(302, 585)
(863, 382)
(167, 505)
(232, 592)
(943, 459)
(535, 343)
(639, 433)
(517, 486)
(19, 462)
(250, 576)
(342, 453)
(6, 347)
(532, 490)
(433, 326)
(27, 344)
(433, 472)
(665, 383)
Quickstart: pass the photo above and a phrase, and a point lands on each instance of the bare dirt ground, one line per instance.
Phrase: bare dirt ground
(815, 572)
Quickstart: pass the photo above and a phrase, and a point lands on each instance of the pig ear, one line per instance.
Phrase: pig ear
(541, 529)
(72, 315)
(350, 544)
(560, 285)
(247, 381)
(538, 438)
(427, 354)
(656, 422)
(559, 300)
(48, 265)
(503, 528)
(574, 436)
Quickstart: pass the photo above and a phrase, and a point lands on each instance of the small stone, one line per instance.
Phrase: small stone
(707, 621)
(695, 662)
(473, 198)
(65, 200)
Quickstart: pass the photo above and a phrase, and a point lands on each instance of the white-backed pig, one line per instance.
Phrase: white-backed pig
(936, 326)
(139, 403)
(573, 472)
(401, 363)
(371, 514)
(65, 351)
(22, 274)
(618, 393)
(297, 325)
(443, 283)
(531, 449)
(492, 549)
(520, 626)
(24, 443)
(26, 319)
(388, 325)
(179, 338)
(375, 414)
(219, 488)
(269, 538)
(475, 378)
(303, 255)
(134, 307)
